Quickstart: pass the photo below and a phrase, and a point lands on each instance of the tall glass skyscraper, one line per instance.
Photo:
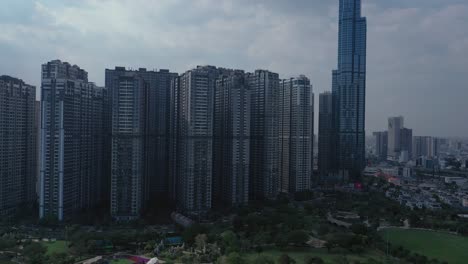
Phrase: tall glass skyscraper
(349, 89)
(325, 136)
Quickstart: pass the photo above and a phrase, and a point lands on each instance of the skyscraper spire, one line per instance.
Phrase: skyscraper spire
(349, 89)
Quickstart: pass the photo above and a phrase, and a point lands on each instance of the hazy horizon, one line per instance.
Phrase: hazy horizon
(416, 61)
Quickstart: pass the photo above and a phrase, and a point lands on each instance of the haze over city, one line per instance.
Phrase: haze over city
(233, 132)
(416, 64)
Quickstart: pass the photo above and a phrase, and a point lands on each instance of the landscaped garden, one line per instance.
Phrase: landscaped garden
(305, 254)
(56, 247)
(121, 261)
(443, 246)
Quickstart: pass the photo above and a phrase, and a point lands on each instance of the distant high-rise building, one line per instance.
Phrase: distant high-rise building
(381, 141)
(433, 149)
(423, 146)
(349, 90)
(395, 124)
(325, 135)
(419, 147)
(37, 132)
(140, 126)
(17, 145)
(406, 141)
(72, 141)
(192, 146)
(157, 132)
(296, 122)
(128, 92)
(315, 143)
(231, 151)
(285, 134)
(264, 143)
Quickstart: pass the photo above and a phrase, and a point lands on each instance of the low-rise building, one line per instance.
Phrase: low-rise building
(457, 180)
(465, 202)
(407, 172)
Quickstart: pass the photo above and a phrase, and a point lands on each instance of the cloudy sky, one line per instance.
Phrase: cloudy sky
(417, 49)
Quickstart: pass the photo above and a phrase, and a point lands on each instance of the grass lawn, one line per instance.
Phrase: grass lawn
(301, 255)
(121, 261)
(443, 246)
(56, 247)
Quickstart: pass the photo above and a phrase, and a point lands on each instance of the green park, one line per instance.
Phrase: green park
(440, 245)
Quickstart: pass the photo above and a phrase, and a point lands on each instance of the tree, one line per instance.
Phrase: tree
(150, 245)
(230, 241)
(286, 259)
(330, 245)
(191, 232)
(237, 224)
(372, 261)
(261, 238)
(80, 247)
(186, 258)
(7, 243)
(298, 237)
(415, 220)
(245, 245)
(263, 260)
(35, 252)
(200, 241)
(359, 229)
(341, 260)
(92, 246)
(234, 258)
(60, 258)
(314, 260)
(323, 229)
(281, 239)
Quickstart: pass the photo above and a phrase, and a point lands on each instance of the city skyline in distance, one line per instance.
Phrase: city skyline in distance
(415, 50)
